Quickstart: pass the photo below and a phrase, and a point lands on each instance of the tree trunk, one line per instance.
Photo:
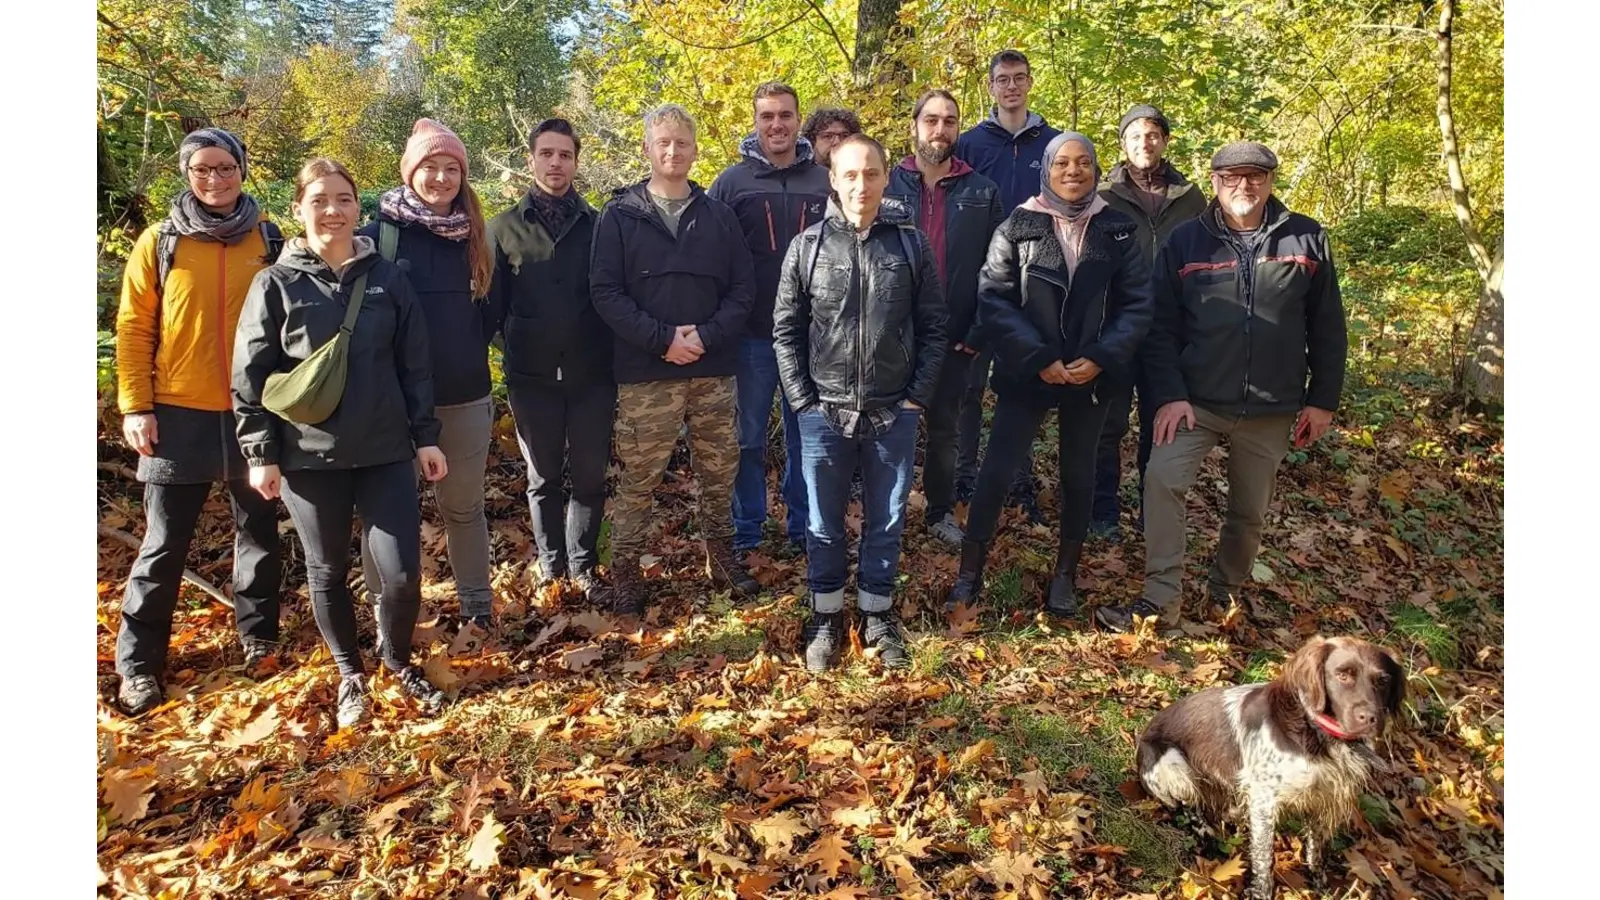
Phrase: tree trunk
(1481, 375)
(874, 21)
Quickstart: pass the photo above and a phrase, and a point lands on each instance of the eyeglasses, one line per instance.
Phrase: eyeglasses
(1006, 81)
(223, 172)
(1232, 179)
(835, 135)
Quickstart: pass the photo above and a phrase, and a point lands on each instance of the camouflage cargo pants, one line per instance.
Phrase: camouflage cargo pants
(649, 417)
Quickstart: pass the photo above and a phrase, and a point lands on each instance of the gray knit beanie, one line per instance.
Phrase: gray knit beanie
(210, 137)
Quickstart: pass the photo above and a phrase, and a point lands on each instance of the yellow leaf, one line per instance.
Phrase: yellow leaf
(258, 729)
(1228, 872)
(484, 851)
(981, 750)
(128, 793)
(778, 832)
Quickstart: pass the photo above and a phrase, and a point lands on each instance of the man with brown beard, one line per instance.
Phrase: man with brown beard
(958, 209)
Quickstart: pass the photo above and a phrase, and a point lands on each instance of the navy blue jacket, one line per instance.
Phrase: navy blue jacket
(459, 328)
(1009, 160)
(645, 282)
(773, 205)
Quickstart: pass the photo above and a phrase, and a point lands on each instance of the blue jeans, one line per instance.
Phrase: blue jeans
(829, 461)
(754, 384)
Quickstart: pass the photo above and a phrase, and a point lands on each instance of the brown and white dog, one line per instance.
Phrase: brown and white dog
(1299, 744)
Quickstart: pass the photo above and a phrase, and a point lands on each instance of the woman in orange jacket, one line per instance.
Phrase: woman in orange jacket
(182, 291)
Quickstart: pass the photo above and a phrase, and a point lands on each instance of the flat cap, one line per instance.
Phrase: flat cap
(1242, 154)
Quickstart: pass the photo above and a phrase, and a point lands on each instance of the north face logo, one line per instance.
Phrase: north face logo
(1034, 164)
(375, 289)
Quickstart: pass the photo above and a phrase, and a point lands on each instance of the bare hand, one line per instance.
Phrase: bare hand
(1055, 373)
(682, 352)
(963, 348)
(431, 461)
(1168, 417)
(266, 480)
(1082, 370)
(912, 404)
(691, 333)
(1312, 425)
(139, 430)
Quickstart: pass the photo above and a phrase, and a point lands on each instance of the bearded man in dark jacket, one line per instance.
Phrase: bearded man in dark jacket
(859, 331)
(1247, 307)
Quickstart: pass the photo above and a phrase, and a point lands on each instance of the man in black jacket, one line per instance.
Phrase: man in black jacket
(1147, 189)
(1247, 306)
(671, 275)
(557, 355)
(776, 190)
(958, 209)
(859, 331)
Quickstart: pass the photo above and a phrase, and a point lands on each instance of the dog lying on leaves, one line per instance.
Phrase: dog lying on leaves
(1297, 745)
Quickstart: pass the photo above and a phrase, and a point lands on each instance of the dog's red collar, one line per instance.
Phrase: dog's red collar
(1331, 727)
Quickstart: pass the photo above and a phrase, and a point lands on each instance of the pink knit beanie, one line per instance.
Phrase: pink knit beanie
(430, 138)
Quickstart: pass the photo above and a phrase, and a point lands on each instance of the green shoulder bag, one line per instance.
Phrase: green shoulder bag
(310, 392)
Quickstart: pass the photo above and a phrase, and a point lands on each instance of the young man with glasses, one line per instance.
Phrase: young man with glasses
(1247, 307)
(1005, 148)
(826, 127)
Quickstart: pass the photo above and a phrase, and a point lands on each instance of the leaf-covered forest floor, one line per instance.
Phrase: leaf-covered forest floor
(692, 756)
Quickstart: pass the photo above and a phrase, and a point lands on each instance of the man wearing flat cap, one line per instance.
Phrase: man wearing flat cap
(1248, 345)
(1147, 189)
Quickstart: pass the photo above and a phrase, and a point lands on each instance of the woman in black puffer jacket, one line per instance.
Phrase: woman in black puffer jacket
(1064, 300)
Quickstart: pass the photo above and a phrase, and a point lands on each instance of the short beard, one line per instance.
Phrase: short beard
(1242, 208)
(932, 155)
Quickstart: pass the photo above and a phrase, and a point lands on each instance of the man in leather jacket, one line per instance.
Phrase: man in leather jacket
(859, 330)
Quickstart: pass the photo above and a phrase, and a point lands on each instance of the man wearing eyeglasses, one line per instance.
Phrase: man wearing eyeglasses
(1005, 148)
(1247, 307)
(825, 128)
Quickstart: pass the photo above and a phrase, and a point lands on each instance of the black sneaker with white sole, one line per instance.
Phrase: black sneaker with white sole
(823, 639)
(882, 630)
(138, 694)
(416, 684)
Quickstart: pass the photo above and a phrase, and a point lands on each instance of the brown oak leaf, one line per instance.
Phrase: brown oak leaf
(777, 833)
(483, 852)
(128, 792)
(831, 855)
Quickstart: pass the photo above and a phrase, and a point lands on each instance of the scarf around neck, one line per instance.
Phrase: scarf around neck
(403, 205)
(189, 217)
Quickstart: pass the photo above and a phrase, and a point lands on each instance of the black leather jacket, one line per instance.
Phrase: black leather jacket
(859, 324)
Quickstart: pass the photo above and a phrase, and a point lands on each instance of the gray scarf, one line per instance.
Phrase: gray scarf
(191, 219)
(1054, 200)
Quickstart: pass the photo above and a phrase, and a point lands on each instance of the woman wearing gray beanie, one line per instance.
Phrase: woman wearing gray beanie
(1063, 299)
(182, 291)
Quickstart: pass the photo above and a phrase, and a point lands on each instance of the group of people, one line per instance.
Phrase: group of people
(863, 295)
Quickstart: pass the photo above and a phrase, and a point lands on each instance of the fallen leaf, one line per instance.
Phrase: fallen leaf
(257, 730)
(778, 832)
(440, 673)
(1014, 870)
(582, 658)
(128, 792)
(831, 856)
(963, 621)
(981, 750)
(388, 816)
(755, 885)
(483, 852)
(1360, 867)
(1229, 871)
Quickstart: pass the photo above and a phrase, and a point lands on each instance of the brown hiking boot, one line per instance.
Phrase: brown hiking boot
(626, 592)
(725, 570)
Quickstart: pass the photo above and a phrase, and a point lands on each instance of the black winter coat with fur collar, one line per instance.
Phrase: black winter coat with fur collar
(1032, 312)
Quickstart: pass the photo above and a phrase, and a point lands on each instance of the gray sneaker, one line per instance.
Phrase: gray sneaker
(139, 694)
(428, 697)
(353, 708)
(947, 531)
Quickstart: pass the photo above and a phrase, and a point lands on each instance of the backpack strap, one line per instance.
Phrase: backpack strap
(358, 295)
(166, 252)
(273, 239)
(388, 239)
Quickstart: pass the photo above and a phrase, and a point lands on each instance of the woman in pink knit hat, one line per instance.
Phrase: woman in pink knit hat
(439, 237)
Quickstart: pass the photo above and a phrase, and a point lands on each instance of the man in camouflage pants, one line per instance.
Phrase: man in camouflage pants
(672, 277)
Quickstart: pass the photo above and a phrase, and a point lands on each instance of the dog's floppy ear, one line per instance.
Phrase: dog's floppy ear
(1397, 680)
(1303, 672)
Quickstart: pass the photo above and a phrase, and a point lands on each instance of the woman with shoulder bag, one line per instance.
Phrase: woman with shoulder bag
(359, 453)
(440, 239)
(181, 295)
(1064, 299)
